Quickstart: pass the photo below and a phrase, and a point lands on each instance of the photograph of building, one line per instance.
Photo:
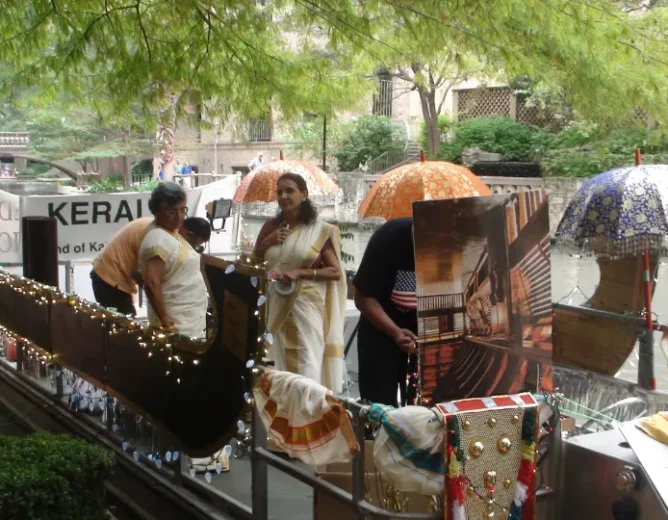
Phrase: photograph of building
(484, 296)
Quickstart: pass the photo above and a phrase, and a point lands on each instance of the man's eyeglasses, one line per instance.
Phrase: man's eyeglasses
(177, 211)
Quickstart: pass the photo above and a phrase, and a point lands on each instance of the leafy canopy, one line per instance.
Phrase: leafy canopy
(311, 55)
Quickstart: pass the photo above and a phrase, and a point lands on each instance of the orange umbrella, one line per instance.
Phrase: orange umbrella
(392, 195)
(260, 184)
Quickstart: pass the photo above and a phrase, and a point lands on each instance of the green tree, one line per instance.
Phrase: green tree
(60, 132)
(606, 60)
(310, 55)
(366, 138)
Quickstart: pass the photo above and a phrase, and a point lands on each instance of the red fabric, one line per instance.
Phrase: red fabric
(527, 475)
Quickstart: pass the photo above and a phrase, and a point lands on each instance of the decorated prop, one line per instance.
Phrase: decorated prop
(169, 379)
(392, 195)
(304, 419)
(484, 304)
(257, 190)
(490, 452)
(619, 216)
(408, 450)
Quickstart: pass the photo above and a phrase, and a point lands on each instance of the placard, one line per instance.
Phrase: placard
(482, 268)
(10, 233)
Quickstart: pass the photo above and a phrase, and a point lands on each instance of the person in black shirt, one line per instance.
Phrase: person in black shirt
(386, 298)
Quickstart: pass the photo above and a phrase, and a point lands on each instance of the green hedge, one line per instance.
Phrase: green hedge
(52, 477)
(514, 141)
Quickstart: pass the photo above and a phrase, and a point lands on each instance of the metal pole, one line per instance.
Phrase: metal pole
(358, 464)
(259, 469)
(646, 346)
(68, 277)
(324, 142)
(646, 360)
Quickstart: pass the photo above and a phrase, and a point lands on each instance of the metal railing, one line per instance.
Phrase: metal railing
(259, 130)
(390, 160)
(14, 141)
(262, 459)
(436, 302)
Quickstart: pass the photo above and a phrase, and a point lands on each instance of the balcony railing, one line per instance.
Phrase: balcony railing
(390, 160)
(259, 130)
(14, 141)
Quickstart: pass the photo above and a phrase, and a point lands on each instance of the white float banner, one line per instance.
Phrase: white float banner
(87, 221)
(10, 224)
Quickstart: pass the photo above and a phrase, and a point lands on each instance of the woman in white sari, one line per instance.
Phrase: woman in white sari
(307, 295)
(176, 291)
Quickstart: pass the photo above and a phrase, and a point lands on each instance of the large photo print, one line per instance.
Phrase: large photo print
(484, 297)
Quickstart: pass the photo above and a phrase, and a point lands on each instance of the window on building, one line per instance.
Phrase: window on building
(382, 99)
(259, 130)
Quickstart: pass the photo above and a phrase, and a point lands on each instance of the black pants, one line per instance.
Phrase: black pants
(112, 297)
(383, 367)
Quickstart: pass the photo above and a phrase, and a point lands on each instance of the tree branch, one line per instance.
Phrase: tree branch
(143, 31)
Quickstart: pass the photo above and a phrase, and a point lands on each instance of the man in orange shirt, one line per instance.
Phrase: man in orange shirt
(115, 270)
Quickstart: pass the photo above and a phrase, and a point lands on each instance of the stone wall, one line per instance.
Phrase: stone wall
(560, 190)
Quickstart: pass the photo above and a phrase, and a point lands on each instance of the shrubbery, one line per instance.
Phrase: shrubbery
(582, 149)
(515, 142)
(52, 477)
(366, 138)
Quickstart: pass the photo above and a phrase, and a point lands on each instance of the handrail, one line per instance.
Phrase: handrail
(389, 160)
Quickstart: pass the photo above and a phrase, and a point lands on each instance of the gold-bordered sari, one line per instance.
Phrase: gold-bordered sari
(183, 286)
(307, 325)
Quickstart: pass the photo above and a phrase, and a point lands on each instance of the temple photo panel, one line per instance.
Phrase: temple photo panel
(484, 297)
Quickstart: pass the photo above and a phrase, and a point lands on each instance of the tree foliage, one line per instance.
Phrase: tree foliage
(366, 138)
(60, 132)
(312, 55)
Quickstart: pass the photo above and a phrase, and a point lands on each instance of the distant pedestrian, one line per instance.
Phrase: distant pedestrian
(255, 163)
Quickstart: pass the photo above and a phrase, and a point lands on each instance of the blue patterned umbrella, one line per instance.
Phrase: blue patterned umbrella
(619, 213)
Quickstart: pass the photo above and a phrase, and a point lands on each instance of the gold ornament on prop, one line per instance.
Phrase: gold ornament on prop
(491, 422)
(476, 448)
(507, 483)
(515, 419)
(504, 444)
(466, 425)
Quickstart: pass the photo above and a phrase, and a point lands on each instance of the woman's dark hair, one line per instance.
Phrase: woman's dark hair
(307, 211)
(199, 227)
(165, 195)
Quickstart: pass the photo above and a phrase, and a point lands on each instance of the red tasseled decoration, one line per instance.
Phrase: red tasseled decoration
(525, 475)
(460, 488)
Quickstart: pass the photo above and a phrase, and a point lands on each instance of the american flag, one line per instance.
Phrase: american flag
(403, 294)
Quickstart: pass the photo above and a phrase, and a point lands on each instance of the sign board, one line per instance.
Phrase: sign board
(10, 233)
(87, 221)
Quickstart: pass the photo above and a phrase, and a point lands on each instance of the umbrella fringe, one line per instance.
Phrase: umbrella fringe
(603, 247)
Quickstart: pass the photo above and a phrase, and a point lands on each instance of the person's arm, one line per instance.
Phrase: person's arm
(373, 311)
(329, 269)
(154, 271)
(268, 237)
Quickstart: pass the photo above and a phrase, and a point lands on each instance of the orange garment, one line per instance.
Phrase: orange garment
(120, 256)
